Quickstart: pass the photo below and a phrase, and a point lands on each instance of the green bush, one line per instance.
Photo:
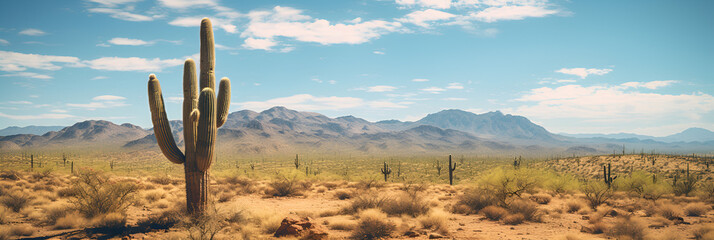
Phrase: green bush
(96, 194)
(507, 184)
(596, 193)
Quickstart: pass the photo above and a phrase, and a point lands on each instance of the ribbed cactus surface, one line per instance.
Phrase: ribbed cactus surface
(203, 113)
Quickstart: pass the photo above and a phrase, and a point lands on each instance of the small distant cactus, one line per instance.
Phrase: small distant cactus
(297, 162)
(451, 171)
(606, 175)
(517, 162)
(203, 114)
(386, 170)
(438, 168)
(32, 161)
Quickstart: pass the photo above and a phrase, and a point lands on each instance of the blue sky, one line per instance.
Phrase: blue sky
(571, 66)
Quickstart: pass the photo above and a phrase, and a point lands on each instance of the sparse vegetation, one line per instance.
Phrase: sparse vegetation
(97, 194)
(373, 224)
(494, 213)
(629, 228)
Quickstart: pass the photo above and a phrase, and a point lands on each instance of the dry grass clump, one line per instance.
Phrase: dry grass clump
(68, 221)
(343, 194)
(436, 220)
(66, 192)
(405, 203)
(540, 198)
(162, 220)
(55, 211)
(110, 222)
(473, 200)
(696, 209)
(628, 228)
(342, 224)
(573, 206)
(365, 201)
(161, 180)
(494, 213)
(528, 209)
(10, 175)
(514, 219)
(704, 233)
(155, 194)
(373, 224)
(7, 232)
(285, 187)
(97, 194)
(15, 201)
(596, 193)
(669, 211)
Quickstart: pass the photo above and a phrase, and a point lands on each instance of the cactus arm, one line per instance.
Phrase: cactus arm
(208, 57)
(223, 101)
(190, 103)
(206, 132)
(162, 129)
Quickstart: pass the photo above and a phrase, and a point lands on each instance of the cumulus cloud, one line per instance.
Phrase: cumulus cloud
(304, 102)
(424, 18)
(14, 61)
(613, 103)
(128, 41)
(650, 85)
(221, 23)
(381, 88)
(262, 44)
(32, 32)
(584, 72)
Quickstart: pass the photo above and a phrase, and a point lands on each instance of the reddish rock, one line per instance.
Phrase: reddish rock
(301, 227)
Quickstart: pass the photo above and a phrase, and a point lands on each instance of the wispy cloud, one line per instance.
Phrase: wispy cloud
(122, 15)
(27, 75)
(103, 101)
(455, 86)
(37, 117)
(32, 32)
(434, 90)
(304, 102)
(378, 52)
(425, 17)
(439, 4)
(14, 61)
(650, 85)
(108, 98)
(132, 64)
(381, 88)
(128, 41)
(493, 14)
(4, 42)
(262, 44)
(584, 72)
(420, 80)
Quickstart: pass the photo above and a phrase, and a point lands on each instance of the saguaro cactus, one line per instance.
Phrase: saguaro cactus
(202, 116)
(451, 171)
(297, 162)
(606, 175)
(386, 170)
(438, 168)
(32, 161)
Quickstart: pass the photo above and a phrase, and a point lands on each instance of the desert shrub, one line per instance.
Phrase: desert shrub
(342, 224)
(629, 228)
(703, 232)
(97, 194)
(599, 227)
(110, 222)
(696, 209)
(161, 180)
(54, 212)
(528, 209)
(22, 230)
(706, 190)
(15, 201)
(474, 200)
(365, 201)
(370, 183)
(70, 220)
(10, 175)
(540, 198)
(669, 211)
(373, 224)
(655, 191)
(505, 184)
(284, 186)
(685, 185)
(405, 203)
(435, 220)
(494, 213)
(162, 220)
(514, 219)
(204, 226)
(155, 195)
(573, 206)
(237, 217)
(596, 193)
(342, 194)
(225, 197)
(66, 192)
(560, 184)
(41, 175)
(634, 183)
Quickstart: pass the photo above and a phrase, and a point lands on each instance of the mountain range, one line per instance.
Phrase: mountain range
(281, 130)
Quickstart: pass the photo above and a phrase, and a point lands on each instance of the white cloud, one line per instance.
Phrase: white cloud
(122, 15)
(182, 4)
(14, 61)
(27, 75)
(650, 85)
(263, 44)
(20, 102)
(58, 111)
(584, 72)
(132, 64)
(128, 41)
(455, 99)
(434, 90)
(98, 105)
(221, 23)
(291, 23)
(304, 102)
(439, 4)
(32, 32)
(420, 80)
(381, 88)
(36, 117)
(423, 18)
(4, 42)
(510, 12)
(99, 78)
(112, 3)
(108, 98)
(455, 86)
(378, 52)
(613, 103)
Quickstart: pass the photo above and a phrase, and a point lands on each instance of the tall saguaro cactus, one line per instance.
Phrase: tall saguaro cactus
(451, 171)
(386, 170)
(203, 114)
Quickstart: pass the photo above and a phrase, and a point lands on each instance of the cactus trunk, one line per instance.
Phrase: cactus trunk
(203, 113)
